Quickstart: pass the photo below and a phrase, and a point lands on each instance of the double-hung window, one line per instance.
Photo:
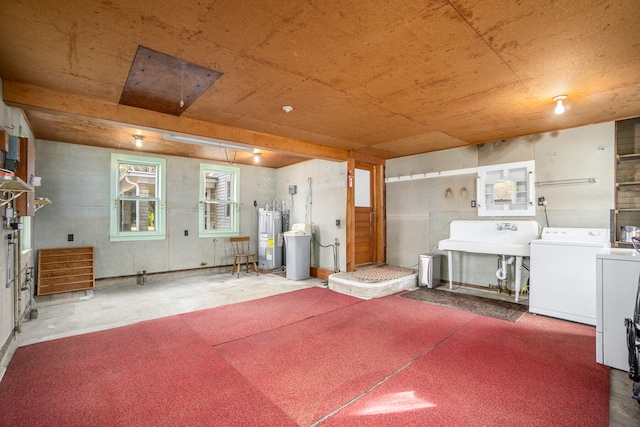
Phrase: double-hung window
(138, 193)
(219, 200)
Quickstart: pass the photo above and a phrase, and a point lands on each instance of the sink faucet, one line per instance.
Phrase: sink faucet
(506, 226)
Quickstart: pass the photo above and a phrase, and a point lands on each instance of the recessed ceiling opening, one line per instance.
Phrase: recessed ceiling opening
(163, 83)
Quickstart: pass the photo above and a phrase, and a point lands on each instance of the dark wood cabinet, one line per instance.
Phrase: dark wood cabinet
(26, 171)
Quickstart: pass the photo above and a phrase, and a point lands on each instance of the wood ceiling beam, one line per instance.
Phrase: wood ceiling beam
(365, 158)
(25, 96)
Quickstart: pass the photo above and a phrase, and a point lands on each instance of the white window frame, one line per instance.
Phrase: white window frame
(159, 214)
(232, 204)
(25, 234)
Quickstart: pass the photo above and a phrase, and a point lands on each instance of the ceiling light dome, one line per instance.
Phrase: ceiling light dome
(138, 139)
(559, 105)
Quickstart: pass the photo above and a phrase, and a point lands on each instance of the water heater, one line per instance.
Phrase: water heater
(270, 239)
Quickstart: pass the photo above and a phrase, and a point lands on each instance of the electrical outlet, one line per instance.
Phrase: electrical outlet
(473, 203)
(186, 232)
(69, 237)
(541, 201)
(293, 189)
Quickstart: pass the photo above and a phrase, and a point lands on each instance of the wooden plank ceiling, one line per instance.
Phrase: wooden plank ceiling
(384, 79)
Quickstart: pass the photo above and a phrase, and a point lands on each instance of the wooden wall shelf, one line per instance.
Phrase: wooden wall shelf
(627, 176)
(65, 270)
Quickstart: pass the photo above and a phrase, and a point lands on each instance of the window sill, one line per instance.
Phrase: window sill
(214, 234)
(137, 238)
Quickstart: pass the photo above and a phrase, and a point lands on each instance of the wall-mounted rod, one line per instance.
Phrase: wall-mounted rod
(429, 175)
(567, 182)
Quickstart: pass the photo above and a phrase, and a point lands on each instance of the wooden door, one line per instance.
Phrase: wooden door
(364, 214)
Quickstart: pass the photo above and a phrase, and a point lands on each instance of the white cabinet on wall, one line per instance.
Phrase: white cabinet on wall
(507, 189)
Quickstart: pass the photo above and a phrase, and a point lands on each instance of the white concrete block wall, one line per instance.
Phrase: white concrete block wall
(76, 179)
(329, 203)
(585, 152)
(456, 158)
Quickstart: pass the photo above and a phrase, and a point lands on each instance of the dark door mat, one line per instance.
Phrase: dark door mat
(504, 310)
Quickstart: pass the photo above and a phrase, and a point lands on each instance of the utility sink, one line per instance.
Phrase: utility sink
(508, 238)
(511, 238)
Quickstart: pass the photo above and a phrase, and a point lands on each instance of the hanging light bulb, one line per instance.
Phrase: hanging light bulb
(138, 139)
(256, 157)
(559, 105)
(182, 87)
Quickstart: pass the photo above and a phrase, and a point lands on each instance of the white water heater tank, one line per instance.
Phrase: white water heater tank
(270, 239)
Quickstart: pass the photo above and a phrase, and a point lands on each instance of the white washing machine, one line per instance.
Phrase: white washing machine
(562, 279)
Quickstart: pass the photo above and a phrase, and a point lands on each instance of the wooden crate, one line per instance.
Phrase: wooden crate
(65, 270)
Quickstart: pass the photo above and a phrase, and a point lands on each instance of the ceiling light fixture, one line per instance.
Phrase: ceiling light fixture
(203, 141)
(256, 156)
(138, 139)
(287, 108)
(559, 105)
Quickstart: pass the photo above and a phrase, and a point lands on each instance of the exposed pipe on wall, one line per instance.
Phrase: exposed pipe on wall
(18, 278)
(14, 272)
(12, 246)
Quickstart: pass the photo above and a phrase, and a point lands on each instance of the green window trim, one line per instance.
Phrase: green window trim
(224, 204)
(157, 200)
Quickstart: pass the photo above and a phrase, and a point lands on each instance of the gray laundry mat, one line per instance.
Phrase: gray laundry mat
(504, 310)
